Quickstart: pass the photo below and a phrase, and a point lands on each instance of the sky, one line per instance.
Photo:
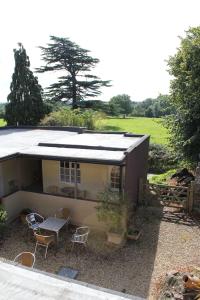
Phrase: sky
(132, 38)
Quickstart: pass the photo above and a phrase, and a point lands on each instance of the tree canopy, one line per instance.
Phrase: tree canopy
(120, 104)
(76, 82)
(25, 105)
(184, 125)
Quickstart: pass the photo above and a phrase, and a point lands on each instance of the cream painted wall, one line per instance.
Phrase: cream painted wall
(82, 212)
(20, 171)
(94, 177)
(10, 172)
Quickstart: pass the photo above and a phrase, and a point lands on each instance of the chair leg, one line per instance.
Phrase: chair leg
(72, 246)
(35, 247)
(46, 251)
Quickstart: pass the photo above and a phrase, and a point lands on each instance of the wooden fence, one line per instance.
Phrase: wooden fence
(160, 194)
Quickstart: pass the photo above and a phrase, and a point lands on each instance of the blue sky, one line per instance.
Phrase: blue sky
(132, 38)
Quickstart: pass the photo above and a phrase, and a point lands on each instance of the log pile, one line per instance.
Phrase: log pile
(182, 178)
(181, 286)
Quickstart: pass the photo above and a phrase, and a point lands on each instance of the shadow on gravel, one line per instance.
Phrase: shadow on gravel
(142, 253)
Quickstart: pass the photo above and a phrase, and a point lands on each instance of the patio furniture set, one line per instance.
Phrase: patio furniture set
(52, 224)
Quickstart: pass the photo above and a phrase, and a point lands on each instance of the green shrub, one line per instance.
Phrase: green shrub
(76, 117)
(3, 219)
(161, 159)
(111, 210)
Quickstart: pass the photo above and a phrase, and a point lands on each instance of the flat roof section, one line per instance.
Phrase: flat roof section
(65, 143)
(73, 153)
(20, 283)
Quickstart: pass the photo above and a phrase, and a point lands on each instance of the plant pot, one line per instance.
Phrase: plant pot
(23, 215)
(135, 235)
(23, 218)
(115, 238)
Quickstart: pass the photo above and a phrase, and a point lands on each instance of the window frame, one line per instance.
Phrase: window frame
(115, 178)
(70, 172)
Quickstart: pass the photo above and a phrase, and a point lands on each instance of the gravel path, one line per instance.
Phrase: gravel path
(169, 241)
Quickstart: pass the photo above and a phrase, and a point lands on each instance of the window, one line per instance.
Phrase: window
(70, 172)
(115, 178)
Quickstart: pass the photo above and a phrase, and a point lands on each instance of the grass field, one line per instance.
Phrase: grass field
(151, 126)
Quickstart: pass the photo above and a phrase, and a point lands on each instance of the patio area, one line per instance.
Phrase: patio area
(170, 240)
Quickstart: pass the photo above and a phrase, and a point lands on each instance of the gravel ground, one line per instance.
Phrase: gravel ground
(169, 241)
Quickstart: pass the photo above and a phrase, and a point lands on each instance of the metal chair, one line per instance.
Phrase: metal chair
(63, 213)
(33, 220)
(26, 259)
(44, 241)
(80, 236)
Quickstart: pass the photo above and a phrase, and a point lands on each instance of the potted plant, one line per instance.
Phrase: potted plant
(23, 214)
(133, 234)
(111, 210)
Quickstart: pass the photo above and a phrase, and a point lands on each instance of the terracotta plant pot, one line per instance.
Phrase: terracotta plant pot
(23, 215)
(134, 235)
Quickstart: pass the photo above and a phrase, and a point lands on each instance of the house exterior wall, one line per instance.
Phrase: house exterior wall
(136, 168)
(82, 212)
(10, 173)
(18, 171)
(94, 178)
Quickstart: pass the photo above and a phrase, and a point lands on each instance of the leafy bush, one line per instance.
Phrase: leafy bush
(3, 219)
(74, 117)
(111, 210)
(161, 159)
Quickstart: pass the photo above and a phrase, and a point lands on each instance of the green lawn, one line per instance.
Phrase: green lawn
(151, 126)
(2, 122)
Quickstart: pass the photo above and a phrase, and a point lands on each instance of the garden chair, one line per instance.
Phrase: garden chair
(80, 236)
(44, 241)
(25, 259)
(33, 220)
(63, 213)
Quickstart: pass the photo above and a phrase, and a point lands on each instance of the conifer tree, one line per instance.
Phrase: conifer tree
(25, 105)
(76, 82)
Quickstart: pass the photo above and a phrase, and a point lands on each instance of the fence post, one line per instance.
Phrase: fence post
(191, 197)
(141, 191)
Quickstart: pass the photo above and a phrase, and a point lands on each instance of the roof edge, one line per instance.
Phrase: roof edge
(131, 148)
(61, 128)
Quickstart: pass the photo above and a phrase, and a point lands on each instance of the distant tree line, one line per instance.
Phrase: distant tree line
(121, 105)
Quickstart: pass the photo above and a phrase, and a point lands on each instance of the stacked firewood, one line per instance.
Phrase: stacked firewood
(180, 286)
(192, 287)
(183, 177)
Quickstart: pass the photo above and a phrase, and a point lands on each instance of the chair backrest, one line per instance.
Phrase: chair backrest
(30, 218)
(53, 189)
(63, 213)
(26, 259)
(33, 218)
(43, 239)
(81, 234)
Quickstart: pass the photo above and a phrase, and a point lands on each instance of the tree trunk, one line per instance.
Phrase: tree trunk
(74, 96)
